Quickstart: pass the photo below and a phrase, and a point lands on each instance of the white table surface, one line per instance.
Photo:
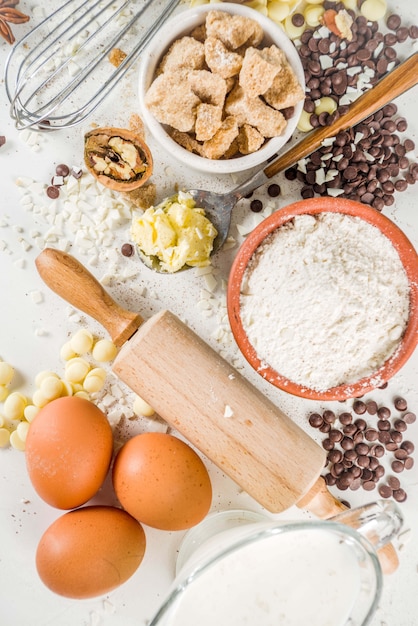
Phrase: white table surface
(31, 335)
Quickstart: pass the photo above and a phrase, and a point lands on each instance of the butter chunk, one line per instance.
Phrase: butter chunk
(176, 232)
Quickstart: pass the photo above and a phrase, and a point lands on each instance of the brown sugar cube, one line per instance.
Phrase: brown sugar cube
(172, 102)
(233, 30)
(208, 121)
(230, 83)
(221, 60)
(116, 56)
(216, 147)
(249, 139)
(285, 90)
(253, 111)
(233, 150)
(185, 52)
(257, 72)
(208, 87)
(199, 33)
(186, 141)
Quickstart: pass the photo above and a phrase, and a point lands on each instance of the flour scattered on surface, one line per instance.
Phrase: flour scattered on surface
(325, 300)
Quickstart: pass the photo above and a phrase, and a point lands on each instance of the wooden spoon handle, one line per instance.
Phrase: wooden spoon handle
(73, 282)
(322, 503)
(391, 86)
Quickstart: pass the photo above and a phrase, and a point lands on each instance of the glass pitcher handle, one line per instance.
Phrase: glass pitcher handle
(379, 521)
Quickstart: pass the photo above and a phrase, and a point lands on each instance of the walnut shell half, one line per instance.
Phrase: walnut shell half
(118, 158)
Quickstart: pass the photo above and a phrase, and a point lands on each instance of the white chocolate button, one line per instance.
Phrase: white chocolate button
(14, 406)
(82, 394)
(313, 14)
(373, 10)
(82, 341)
(93, 384)
(4, 437)
(325, 104)
(293, 31)
(22, 430)
(66, 352)
(304, 124)
(6, 373)
(277, 11)
(104, 350)
(16, 442)
(140, 407)
(30, 412)
(51, 387)
(67, 388)
(350, 4)
(76, 370)
(44, 374)
(39, 399)
(4, 392)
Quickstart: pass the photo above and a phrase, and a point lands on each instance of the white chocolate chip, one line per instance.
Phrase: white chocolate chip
(104, 350)
(140, 407)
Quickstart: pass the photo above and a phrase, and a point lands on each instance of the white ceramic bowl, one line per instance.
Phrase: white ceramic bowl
(182, 24)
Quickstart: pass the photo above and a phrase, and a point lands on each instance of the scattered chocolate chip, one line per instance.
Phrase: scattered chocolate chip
(256, 206)
(408, 463)
(2, 140)
(384, 413)
(397, 466)
(62, 170)
(329, 416)
(408, 446)
(409, 418)
(298, 19)
(385, 491)
(127, 249)
(400, 404)
(345, 418)
(371, 407)
(52, 192)
(399, 495)
(315, 420)
(359, 407)
(273, 190)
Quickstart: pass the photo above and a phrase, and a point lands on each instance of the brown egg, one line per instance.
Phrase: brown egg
(162, 482)
(90, 551)
(68, 451)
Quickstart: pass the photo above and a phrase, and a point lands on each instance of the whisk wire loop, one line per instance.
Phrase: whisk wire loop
(59, 73)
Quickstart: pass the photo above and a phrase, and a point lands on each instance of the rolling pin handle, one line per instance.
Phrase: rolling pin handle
(73, 282)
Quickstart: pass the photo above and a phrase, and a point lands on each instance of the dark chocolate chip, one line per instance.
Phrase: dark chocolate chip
(127, 249)
(52, 192)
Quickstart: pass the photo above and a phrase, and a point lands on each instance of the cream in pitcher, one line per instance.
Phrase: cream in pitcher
(321, 573)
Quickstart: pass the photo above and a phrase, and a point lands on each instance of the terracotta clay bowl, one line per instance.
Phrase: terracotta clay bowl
(409, 259)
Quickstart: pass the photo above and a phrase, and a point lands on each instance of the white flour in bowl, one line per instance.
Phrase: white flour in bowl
(325, 300)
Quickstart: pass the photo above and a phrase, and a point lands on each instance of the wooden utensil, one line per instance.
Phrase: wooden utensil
(203, 397)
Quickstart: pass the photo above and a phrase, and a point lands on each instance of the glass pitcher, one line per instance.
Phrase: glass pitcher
(270, 573)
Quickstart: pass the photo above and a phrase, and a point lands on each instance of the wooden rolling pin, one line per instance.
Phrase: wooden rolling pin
(204, 398)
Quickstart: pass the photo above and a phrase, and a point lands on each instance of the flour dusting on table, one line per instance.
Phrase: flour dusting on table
(325, 300)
